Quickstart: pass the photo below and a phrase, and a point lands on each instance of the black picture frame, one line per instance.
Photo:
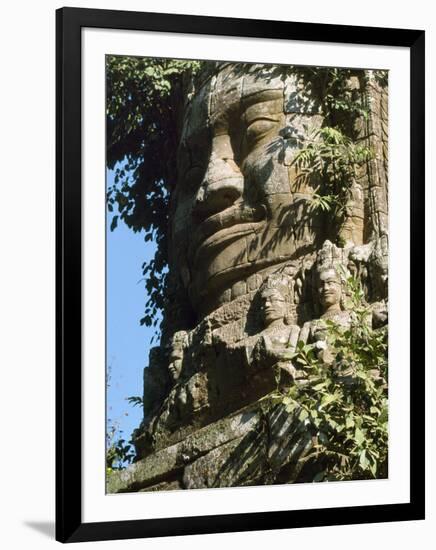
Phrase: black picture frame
(69, 525)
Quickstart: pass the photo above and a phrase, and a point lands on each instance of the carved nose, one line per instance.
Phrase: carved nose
(222, 186)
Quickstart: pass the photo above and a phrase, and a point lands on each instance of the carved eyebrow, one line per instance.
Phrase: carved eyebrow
(261, 96)
(261, 117)
(268, 110)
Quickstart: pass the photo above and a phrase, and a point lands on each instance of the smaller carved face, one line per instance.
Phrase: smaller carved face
(329, 288)
(175, 365)
(273, 305)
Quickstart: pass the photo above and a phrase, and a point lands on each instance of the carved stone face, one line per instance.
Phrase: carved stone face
(237, 209)
(330, 290)
(175, 359)
(175, 363)
(273, 305)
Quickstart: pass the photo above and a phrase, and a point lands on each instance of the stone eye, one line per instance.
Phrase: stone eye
(258, 129)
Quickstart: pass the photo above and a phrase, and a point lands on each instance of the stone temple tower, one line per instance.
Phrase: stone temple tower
(246, 256)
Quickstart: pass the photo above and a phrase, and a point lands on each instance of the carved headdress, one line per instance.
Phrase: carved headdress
(283, 282)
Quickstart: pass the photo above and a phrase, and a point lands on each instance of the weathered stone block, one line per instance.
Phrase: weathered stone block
(239, 462)
(289, 439)
(164, 463)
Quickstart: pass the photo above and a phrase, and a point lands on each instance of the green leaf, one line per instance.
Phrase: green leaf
(359, 437)
(291, 407)
(303, 415)
(114, 222)
(383, 416)
(327, 399)
(363, 461)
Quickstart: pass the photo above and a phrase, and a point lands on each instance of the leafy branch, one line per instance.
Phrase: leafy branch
(331, 158)
(142, 116)
(119, 453)
(135, 400)
(344, 404)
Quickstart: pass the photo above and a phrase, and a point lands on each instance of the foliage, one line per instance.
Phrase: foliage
(143, 99)
(330, 155)
(135, 400)
(344, 403)
(341, 105)
(331, 158)
(118, 453)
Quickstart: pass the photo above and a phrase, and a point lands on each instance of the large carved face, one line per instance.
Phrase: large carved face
(237, 207)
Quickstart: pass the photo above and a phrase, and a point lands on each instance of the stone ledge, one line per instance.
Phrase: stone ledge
(166, 462)
(251, 447)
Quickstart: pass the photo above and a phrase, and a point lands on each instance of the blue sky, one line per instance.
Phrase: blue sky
(128, 342)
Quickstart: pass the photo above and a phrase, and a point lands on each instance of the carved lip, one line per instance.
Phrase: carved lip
(229, 224)
(269, 312)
